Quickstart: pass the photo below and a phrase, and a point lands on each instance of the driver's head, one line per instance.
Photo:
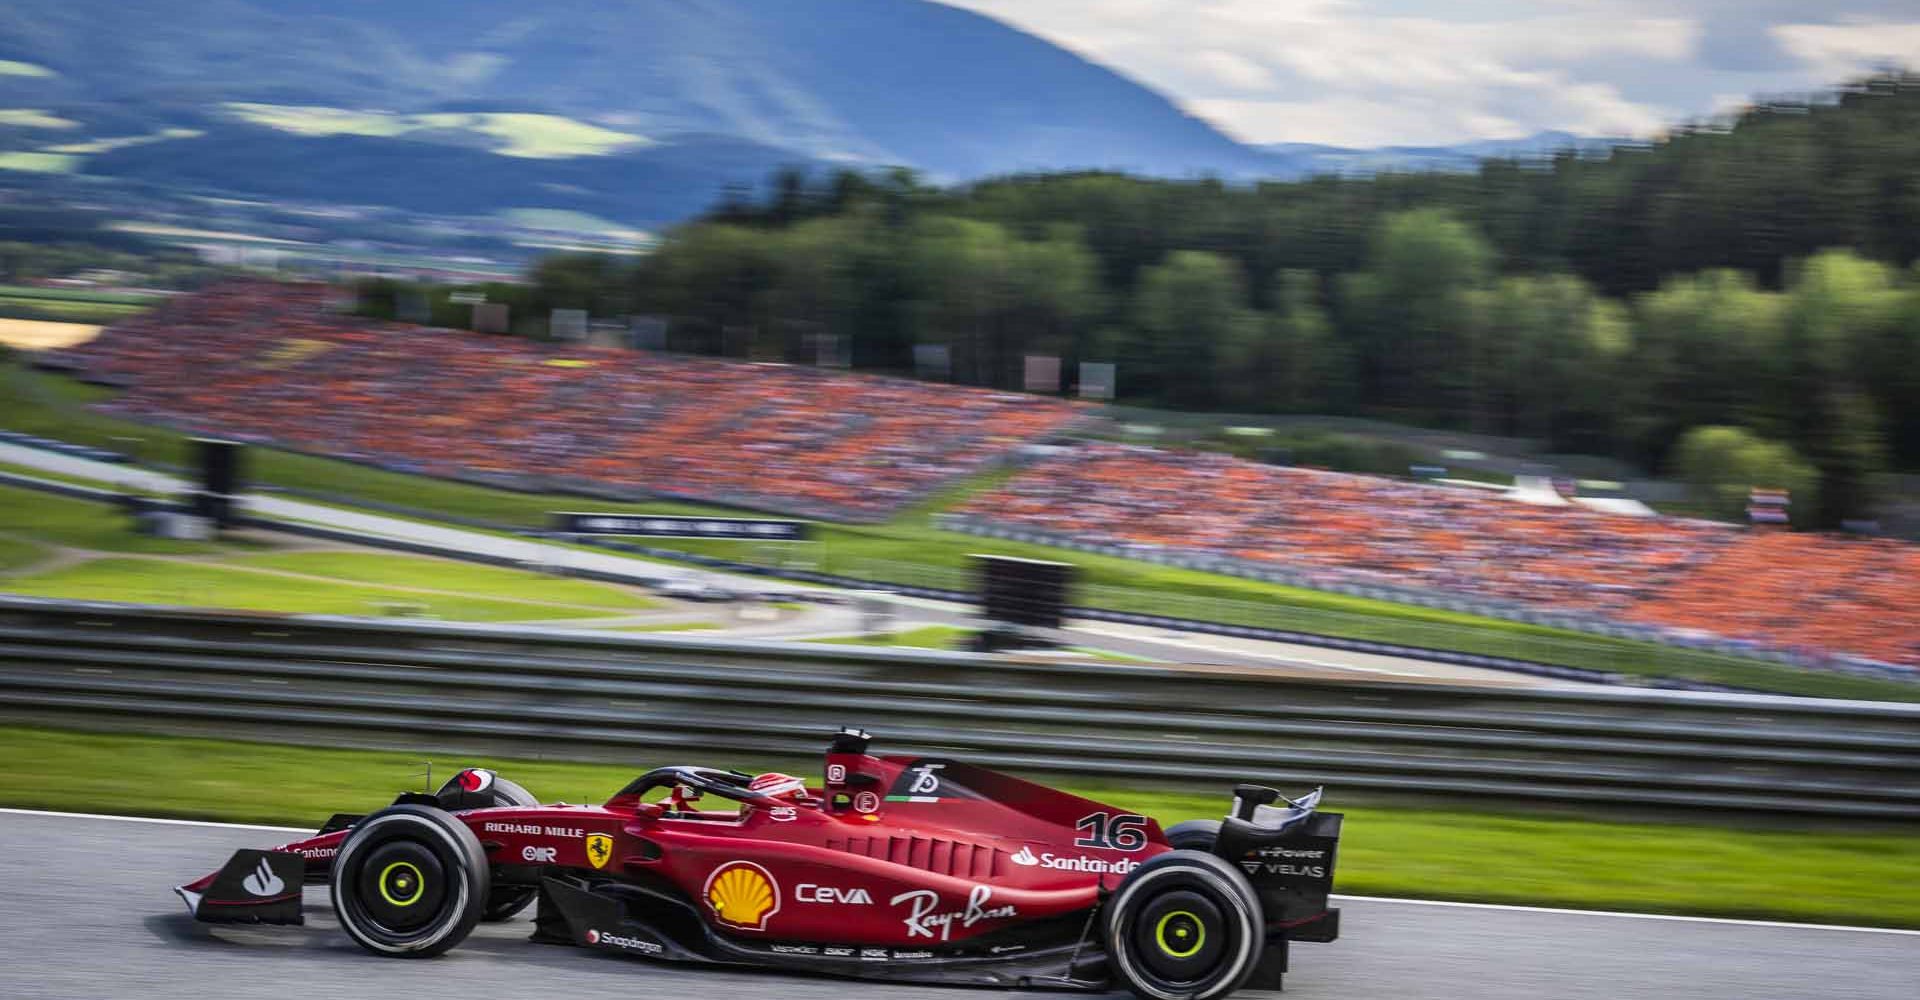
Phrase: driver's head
(785, 787)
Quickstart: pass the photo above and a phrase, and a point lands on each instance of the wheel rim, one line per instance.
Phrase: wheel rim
(401, 884)
(1180, 935)
(401, 887)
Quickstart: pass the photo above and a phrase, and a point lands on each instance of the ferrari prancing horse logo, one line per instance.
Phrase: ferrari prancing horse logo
(599, 849)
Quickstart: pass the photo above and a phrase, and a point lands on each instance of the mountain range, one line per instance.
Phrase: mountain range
(638, 111)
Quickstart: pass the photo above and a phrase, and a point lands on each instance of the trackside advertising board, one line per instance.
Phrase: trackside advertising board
(754, 529)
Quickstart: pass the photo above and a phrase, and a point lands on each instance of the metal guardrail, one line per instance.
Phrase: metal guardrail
(559, 693)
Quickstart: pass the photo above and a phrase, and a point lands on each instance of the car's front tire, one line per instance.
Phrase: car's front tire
(1184, 926)
(479, 788)
(409, 882)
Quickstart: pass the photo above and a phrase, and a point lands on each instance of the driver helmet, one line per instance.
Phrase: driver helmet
(785, 787)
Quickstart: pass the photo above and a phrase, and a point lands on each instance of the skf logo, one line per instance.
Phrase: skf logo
(599, 849)
(743, 895)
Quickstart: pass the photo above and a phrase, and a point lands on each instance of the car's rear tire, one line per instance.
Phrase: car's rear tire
(479, 788)
(1184, 926)
(409, 882)
(1194, 835)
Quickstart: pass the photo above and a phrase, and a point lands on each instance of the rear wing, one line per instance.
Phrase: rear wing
(1288, 853)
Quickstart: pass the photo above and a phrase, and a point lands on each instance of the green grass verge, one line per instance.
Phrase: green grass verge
(151, 581)
(445, 574)
(245, 578)
(669, 627)
(909, 549)
(78, 295)
(15, 553)
(81, 524)
(65, 310)
(1815, 874)
(58, 477)
(924, 637)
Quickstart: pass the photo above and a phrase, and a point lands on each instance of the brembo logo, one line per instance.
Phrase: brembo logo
(1097, 866)
(263, 882)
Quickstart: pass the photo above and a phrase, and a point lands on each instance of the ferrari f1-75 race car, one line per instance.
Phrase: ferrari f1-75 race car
(900, 868)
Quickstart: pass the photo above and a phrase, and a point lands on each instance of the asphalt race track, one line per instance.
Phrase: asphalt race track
(89, 913)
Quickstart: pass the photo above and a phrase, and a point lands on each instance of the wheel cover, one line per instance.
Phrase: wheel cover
(1180, 936)
(401, 889)
(401, 884)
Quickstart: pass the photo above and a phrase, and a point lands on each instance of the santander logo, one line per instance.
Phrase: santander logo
(263, 882)
(1063, 863)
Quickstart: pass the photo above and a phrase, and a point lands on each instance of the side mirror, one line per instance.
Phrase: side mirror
(1247, 798)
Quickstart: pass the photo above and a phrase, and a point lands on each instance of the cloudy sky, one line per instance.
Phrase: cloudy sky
(1380, 72)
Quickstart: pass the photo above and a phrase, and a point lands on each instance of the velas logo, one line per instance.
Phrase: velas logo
(743, 895)
(1025, 857)
(474, 779)
(599, 849)
(263, 882)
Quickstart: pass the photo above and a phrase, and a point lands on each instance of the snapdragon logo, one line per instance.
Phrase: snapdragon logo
(623, 942)
(1082, 863)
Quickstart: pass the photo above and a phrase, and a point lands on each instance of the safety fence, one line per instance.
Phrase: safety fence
(643, 699)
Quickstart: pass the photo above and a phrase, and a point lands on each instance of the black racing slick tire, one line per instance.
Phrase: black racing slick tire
(409, 882)
(1183, 926)
(1194, 835)
(479, 788)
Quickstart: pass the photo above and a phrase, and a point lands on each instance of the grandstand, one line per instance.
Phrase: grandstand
(272, 364)
(1809, 594)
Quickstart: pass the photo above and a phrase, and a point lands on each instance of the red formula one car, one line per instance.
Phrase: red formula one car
(901, 868)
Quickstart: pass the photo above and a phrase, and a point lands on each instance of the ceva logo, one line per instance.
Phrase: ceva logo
(1025, 858)
(263, 882)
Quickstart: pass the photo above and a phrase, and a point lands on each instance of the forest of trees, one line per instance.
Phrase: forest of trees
(1756, 275)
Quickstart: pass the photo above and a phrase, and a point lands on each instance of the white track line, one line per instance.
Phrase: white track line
(150, 819)
(1632, 916)
(1357, 899)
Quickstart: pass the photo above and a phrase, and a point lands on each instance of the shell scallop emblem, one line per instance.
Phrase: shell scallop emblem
(743, 895)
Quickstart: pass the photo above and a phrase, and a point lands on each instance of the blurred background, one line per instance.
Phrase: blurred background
(1565, 347)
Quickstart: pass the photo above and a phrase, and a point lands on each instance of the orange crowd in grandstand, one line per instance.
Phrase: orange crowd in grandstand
(1807, 592)
(1810, 592)
(271, 363)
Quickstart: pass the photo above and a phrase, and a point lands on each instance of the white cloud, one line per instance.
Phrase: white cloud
(1850, 49)
(1333, 71)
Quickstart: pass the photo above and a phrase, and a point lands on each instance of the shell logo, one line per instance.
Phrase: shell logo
(743, 895)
